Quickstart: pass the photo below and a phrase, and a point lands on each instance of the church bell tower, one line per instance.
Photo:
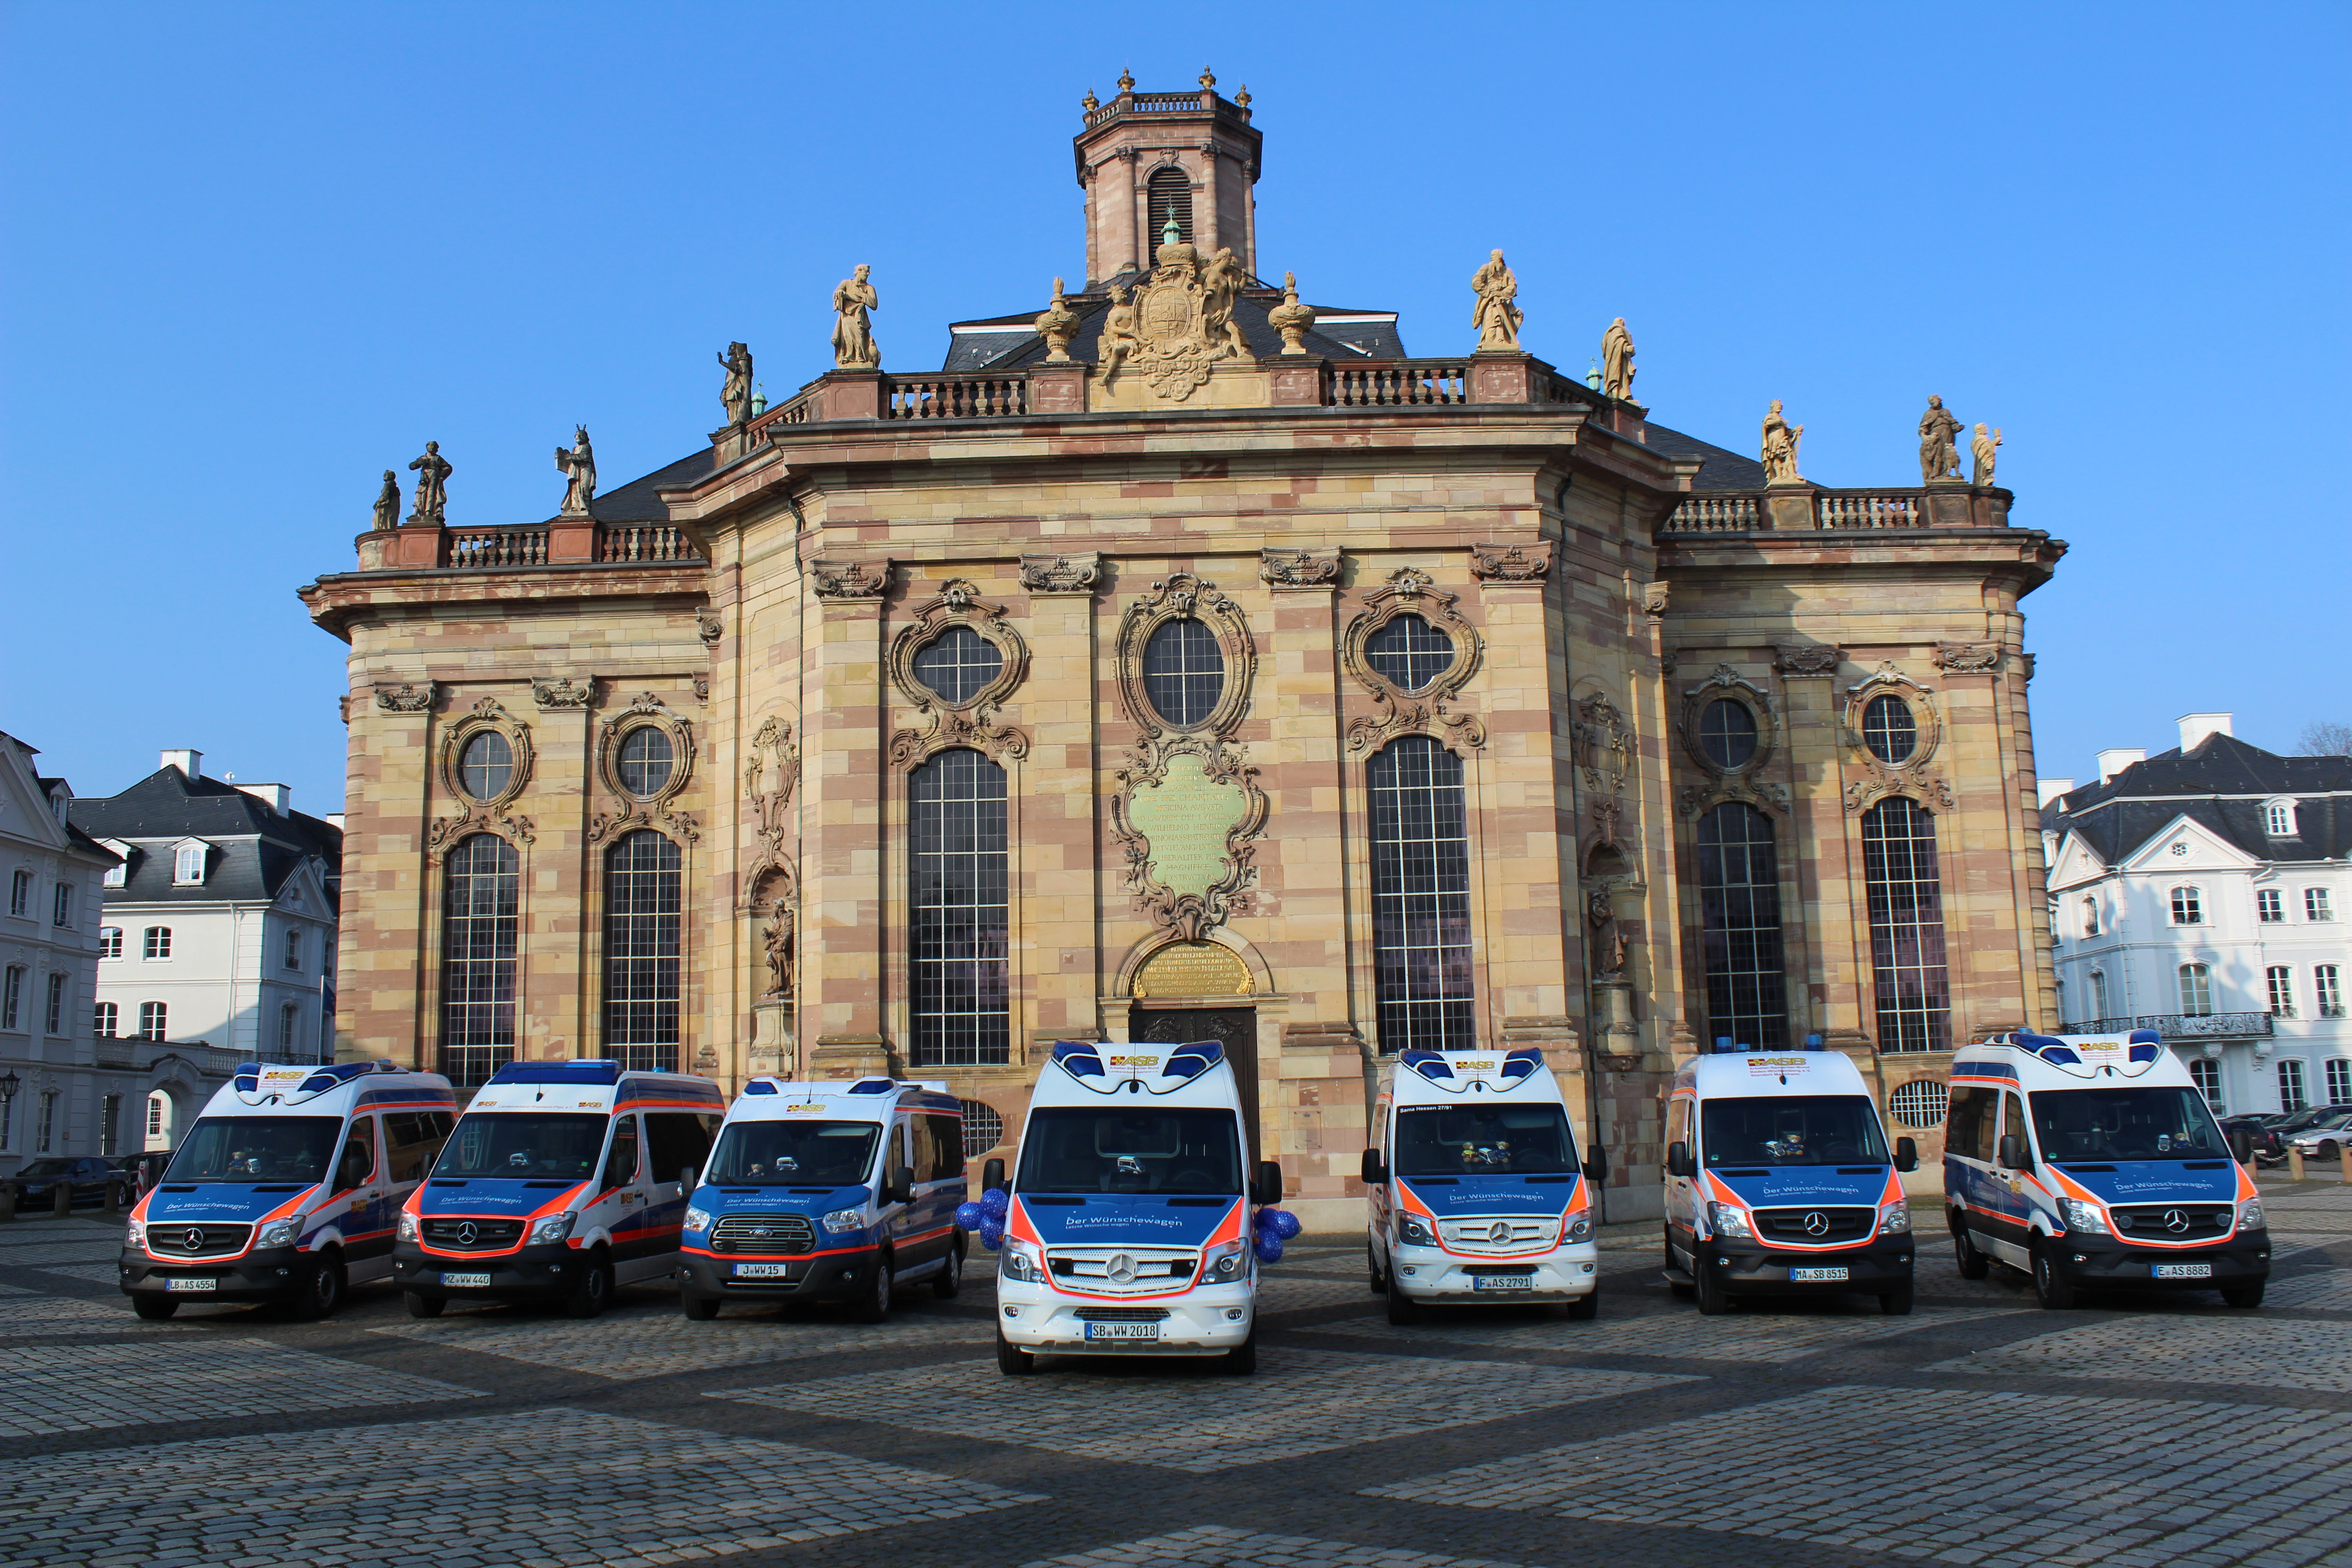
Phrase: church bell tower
(1147, 158)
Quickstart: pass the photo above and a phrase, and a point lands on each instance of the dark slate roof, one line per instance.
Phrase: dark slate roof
(255, 848)
(635, 503)
(1718, 469)
(1011, 342)
(2119, 817)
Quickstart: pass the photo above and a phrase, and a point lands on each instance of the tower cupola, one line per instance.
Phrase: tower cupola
(1150, 159)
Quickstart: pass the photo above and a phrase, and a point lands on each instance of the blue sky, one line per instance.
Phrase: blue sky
(251, 255)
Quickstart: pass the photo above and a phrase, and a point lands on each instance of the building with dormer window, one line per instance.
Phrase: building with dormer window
(2200, 893)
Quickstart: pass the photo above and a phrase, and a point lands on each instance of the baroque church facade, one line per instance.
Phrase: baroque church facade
(1190, 661)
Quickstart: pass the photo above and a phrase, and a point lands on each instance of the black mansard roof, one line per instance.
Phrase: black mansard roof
(2221, 783)
(255, 849)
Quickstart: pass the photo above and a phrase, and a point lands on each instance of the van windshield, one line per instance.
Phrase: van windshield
(523, 1144)
(1482, 1139)
(1077, 1149)
(2144, 1123)
(793, 1155)
(1783, 1130)
(256, 1149)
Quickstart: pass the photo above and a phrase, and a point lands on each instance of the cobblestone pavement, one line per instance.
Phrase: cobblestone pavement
(2139, 1430)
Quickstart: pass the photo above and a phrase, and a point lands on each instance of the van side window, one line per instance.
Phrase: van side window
(358, 1161)
(2013, 1119)
(900, 1161)
(1968, 1132)
(675, 1140)
(411, 1138)
(947, 1148)
(1677, 1120)
(621, 1165)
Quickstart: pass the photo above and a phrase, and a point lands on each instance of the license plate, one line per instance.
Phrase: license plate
(763, 1272)
(1502, 1282)
(1816, 1276)
(206, 1283)
(2184, 1270)
(1122, 1330)
(465, 1281)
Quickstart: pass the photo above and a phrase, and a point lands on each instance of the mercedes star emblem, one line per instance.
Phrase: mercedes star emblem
(1122, 1268)
(1817, 1224)
(466, 1234)
(1499, 1232)
(2174, 1219)
(193, 1240)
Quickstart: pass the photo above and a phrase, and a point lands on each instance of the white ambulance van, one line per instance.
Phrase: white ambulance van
(1778, 1181)
(827, 1191)
(563, 1181)
(286, 1187)
(1474, 1191)
(2092, 1162)
(1127, 1228)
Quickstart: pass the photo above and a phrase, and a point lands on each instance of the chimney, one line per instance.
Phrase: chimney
(2116, 758)
(277, 797)
(189, 763)
(2050, 789)
(2194, 726)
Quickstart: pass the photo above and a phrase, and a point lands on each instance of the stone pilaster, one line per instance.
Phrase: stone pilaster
(841, 1000)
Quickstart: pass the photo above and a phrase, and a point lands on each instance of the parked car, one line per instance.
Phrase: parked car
(2261, 1132)
(2324, 1139)
(144, 1171)
(35, 1184)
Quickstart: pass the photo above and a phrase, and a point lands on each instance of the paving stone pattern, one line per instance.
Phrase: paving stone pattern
(2259, 1351)
(1215, 1546)
(1755, 1335)
(2126, 1483)
(655, 1342)
(1158, 1413)
(80, 1387)
(2322, 1289)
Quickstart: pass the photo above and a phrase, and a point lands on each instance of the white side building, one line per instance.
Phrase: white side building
(2203, 893)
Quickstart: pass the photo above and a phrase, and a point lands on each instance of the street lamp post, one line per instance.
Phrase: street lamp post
(9, 1082)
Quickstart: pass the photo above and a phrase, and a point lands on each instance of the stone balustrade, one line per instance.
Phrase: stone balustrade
(1809, 509)
(953, 397)
(487, 547)
(1718, 514)
(2181, 1025)
(647, 542)
(1851, 508)
(1397, 383)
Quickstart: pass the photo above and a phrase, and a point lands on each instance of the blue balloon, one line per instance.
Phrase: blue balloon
(969, 1215)
(1282, 1222)
(995, 1202)
(1268, 1247)
(991, 1235)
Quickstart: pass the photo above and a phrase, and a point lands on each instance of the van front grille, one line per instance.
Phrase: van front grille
(2173, 1222)
(171, 1240)
(1813, 1226)
(1121, 1270)
(457, 1233)
(781, 1234)
(1494, 1236)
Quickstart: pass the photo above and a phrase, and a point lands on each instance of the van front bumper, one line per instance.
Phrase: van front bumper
(2099, 1262)
(539, 1272)
(828, 1277)
(270, 1275)
(1207, 1320)
(1745, 1269)
(1432, 1273)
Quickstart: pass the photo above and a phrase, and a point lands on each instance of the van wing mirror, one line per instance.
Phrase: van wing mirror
(686, 1175)
(1596, 1165)
(1679, 1161)
(991, 1175)
(2242, 1145)
(1269, 1181)
(1375, 1173)
(897, 1187)
(1906, 1154)
(2012, 1152)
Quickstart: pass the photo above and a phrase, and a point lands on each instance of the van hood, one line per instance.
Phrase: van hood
(2154, 1181)
(219, 1203)
(1132, 1219)
(812, 1201)
(1501, 1193)
(491, 1196)
(1857, 1183)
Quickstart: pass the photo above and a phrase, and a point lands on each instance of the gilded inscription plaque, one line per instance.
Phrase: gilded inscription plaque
(1192, 969)
(1186, 817)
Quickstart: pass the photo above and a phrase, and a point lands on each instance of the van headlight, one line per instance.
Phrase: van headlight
(1577, 1228)
(135, 1232)
(842, 1221)
(1730, 1222)
(1413, 1231)
(279, 1233)
(2083, 1216)
(407, 1229)
(1021, 1262)
(2250, 1214)
(697, 1219)
(1895, 1219)
(1225, 1265)
(555, 1227)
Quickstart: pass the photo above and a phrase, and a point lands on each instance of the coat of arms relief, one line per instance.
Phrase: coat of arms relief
(1177, 324)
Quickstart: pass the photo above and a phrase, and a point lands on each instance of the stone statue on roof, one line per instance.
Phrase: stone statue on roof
(1984, 448)
(387, 502)
(1617, 361)
(1221, 285)
(854, 347)
(1496, 315)
(1117, 340)
(1780, 439)
(579, 469)
(1939, 457)
(737, 393)
(432, 471)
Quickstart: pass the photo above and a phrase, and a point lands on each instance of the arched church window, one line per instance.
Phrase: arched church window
(1183, 672)
(959, 925)
(1421, 898)
(1409, 653)
(486, 766)
(647, 759)
(480, 935)
(1169, 195)
(1905, 898)
(957, 664)
(1726, 733)
(644, 877)
(1889, 730)
(1739, 923)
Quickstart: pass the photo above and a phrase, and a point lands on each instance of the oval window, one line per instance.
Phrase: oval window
(957, 664)
(1409, 653)
(647, 759)
(1726, 733)
(486, 766)
(1183, 672)
(1889, 730)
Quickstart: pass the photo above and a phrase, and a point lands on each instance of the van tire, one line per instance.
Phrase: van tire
(1012, 1360)
(1372, 1275)
(2055, 1294)
(423, 1306)
(1972, 1264)
(1896, 1304)
(1681, 1292)
(594, 1290)
(1585, 1308)
(154, 1309)
(2244, 1295)
(1242, 1359)
(1403, 1311)
(697, 1309)
(874, 1306)
(321, 1290)
(1714, 1300)
(949, 1281)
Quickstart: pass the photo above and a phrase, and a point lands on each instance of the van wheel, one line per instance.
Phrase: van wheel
(2242, 1295)
(423, 1306)
(322, 1289)
(1242, 1359)
(1401, 1310)
(1012, 1360)
(1896, 1304)
(697, 1309)
(2054, 1293)
(1972, 1264)
(1681, 1292)
(949, 1280)
(1714, 1300)
(1585, 1308)
(874, 1306)
(1372, 1275)
(594, 1292)
(154, 1309)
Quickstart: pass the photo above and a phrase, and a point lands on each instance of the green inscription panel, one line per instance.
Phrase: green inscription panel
(1187, 817)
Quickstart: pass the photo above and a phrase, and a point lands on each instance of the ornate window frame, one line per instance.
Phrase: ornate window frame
(1911, 776)
(1428, 709)
(963, 724)
(487, 716)
(645, 709)
(1746, 782)
(1178, 596)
